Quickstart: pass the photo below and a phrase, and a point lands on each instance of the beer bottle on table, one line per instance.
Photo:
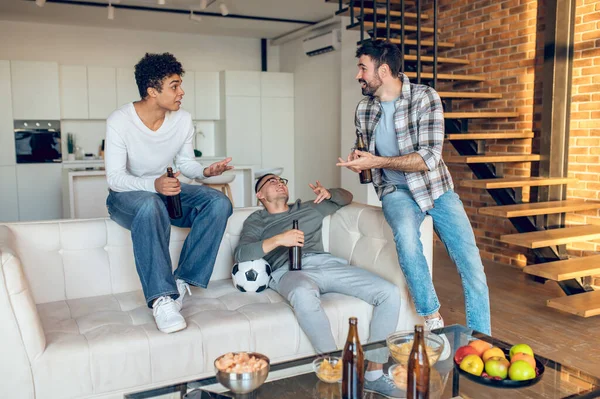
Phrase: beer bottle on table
(295, 253)
(353, 364)
(173, 201)
(364, 175)
(418, 367)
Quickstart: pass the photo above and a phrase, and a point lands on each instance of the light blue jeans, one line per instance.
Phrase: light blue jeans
(454, 230)
(205, 211)
(323, 273)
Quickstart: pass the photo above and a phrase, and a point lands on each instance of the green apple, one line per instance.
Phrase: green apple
(497, 366)
(472, 364)
(521, 371)
(521, 348)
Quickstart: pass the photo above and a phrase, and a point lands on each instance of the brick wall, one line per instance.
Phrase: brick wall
(503, 40)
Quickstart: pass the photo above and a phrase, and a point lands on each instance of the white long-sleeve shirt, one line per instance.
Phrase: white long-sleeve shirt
(136, 156)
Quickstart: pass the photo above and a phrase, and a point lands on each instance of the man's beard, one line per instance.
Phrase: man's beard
(370, 87)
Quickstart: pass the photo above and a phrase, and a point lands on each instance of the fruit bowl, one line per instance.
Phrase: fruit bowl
(400, 344)
(326, 370)
(506, 383)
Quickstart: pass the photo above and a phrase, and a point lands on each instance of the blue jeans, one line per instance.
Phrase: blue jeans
(323, 273)
(205, 211)
(452, 225)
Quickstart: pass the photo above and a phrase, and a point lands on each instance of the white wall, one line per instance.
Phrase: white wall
(77, 45)
(317, 116)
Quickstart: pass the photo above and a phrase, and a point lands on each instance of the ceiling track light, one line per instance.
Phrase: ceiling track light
(203, 4)
(194, 17)
(162, 2)
(40, 3)
(111, 12)
(224, 9)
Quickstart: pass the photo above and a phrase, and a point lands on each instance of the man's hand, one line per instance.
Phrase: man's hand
(168, 186)
(291, 238)
(359, 161)
(321, 192)
(217, 168)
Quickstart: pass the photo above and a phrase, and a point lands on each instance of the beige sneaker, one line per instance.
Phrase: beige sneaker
(167, 316)
(433, 324)
(183, 288)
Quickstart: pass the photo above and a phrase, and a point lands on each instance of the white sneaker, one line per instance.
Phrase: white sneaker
(182, 288)
(435, 323)
(167, 316)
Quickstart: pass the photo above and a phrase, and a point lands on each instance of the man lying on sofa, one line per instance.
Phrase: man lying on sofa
(268, 234)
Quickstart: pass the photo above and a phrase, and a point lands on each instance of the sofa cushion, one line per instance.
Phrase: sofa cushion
(110, 342)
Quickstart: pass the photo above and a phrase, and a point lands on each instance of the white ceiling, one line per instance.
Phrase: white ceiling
(73, 14)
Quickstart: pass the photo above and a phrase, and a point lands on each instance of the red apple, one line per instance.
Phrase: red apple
(472, 364)
(464, 351)
(497, 367)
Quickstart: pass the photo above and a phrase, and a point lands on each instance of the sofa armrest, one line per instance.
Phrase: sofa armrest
(22, 337)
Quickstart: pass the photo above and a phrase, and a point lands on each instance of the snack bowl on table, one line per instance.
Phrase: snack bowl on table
(400, 344)
(238, 380)
(326, 370)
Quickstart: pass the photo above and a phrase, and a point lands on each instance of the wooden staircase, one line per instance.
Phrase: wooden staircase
(415, 34)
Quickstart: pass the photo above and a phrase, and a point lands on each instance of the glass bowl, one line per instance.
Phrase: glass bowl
(400, 344)
(241, 383)
(330, 375)
(398, 374)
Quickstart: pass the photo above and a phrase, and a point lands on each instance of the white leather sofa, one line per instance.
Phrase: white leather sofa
(74, 323)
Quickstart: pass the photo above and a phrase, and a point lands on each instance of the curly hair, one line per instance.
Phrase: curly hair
(381, 52)
(151, 70)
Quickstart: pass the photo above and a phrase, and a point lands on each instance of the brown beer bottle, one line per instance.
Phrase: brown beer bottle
(364, 175)
(418, 368)
(173, 201)
(295, 253)
(353, 364)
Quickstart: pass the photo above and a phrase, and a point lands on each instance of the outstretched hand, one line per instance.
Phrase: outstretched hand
(218, 168)
(358, 161)
(321, 192)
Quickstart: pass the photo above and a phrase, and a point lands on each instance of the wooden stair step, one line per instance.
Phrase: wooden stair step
(440, 60)
(511, 182)
(586, 304)
(490, 135)
(493, 158)
(468, 94)
(546, 238)
(566, 269)
(380, 11)
(448, 76)
(424, 43)
(382, 25)
(539, 208)
(479, 115)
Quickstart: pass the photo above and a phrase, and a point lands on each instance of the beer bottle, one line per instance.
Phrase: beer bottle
(418, 368)
(173, 201)
(295, 253)
(353, 364)
(364, 175)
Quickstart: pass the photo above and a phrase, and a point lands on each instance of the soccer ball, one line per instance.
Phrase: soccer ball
(251, 276)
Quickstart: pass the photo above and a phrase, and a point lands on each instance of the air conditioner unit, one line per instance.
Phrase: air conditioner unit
(322, 43)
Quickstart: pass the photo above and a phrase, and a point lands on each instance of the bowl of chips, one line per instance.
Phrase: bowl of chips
(242, 372)
(328, 368)
(400, 344)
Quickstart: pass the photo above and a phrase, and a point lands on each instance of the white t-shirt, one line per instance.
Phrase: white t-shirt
(135, 156)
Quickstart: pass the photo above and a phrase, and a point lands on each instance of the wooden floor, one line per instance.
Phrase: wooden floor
(520, 314)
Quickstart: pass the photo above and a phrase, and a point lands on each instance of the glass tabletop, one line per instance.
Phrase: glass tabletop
(296, 380)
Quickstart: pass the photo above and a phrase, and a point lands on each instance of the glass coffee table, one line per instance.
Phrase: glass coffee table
(296, 380)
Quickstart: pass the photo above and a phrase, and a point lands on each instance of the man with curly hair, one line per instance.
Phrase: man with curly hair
(143, 138)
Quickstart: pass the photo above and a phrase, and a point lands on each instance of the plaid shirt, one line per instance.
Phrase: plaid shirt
(419, 122)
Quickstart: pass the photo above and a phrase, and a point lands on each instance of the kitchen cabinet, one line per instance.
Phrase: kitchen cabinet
(243, 129)
(127, 90)
(102, 91)
(9, 205)
(189, 98)
(73, 92)
(277, 134)
(7, 141)
(39, 191)
(35, 90)
(208, 104)
(276, 84)
(242, 83)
